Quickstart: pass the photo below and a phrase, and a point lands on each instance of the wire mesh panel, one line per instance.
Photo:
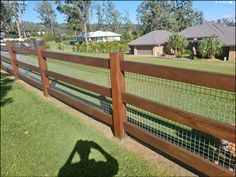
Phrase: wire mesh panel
(212, 103)
(92, 99)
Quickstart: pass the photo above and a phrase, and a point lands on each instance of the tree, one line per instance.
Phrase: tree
(12, 10)
(127, 22)
(185, 15)
(6, 15)
(18, 9)
(100, 17)
(167, 15)
(78, 13)
(46, 14)
(178, 44)
(210, 47)
(112, 16)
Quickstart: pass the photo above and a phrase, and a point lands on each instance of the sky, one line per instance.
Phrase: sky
(212, 10)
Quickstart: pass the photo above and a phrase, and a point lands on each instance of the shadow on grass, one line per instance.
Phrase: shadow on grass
(89, 167)
(5, 88)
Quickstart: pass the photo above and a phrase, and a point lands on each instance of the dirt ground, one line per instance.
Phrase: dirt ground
(129, 143)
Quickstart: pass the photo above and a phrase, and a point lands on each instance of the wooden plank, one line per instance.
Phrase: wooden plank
(3, 48)
(24, 51)
(118, 87)
(5, 59)
(91, 61)
(195, 161)
(31, 82)
(202, 78)
(80, 83)
(201, 123)
(27, 66)
(7, 69)
(102, 116)
(42, 67)
(12, 54)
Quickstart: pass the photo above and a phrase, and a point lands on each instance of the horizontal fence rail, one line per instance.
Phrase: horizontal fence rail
(80, 83)
(206, 79)
(212, 127)
(135, 122)
(27, 66)
(24, 51)
(102, 116)
(91, 61)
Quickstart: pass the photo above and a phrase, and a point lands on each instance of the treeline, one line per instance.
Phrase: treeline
(152, 15)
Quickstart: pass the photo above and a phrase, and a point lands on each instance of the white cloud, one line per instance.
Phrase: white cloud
(224, 2)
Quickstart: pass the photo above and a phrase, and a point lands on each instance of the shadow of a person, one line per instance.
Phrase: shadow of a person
(86, 166)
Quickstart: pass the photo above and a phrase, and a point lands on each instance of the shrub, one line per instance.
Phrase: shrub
(49, 37)
(210, 47)
(178, 44)
(188, 53)
(60, 46)
(58, 39)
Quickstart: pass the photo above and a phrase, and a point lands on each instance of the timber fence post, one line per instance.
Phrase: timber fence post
(15, 69)
(39, 47)
(118, 87)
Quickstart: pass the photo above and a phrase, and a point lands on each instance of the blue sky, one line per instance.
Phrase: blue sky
(212, 10)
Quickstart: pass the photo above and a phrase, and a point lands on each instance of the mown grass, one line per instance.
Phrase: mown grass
(218, 66)
(37, 139)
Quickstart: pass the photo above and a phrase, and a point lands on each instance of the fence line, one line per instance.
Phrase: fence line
(120, 97)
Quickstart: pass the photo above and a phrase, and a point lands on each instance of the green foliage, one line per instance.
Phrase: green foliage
(60, 46)
(178, 44)
(209, 47)
(188, 53)
(101, 47)
(126, 38)
(58, 39)
(49, 37)
(46, 13)
(167, 15)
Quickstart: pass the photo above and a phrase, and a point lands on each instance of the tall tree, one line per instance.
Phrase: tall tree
(167, 15)
(112, 16)
(18, 9)
(6, 15)
(127, 22)
(78, 13)
(100, 17)
(185, 15)
(12, 10)
(46, 14)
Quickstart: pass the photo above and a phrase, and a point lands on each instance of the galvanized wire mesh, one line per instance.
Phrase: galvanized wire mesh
(92, 99)
(212, 103)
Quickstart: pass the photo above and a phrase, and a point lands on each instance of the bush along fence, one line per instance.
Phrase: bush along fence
(189, 115)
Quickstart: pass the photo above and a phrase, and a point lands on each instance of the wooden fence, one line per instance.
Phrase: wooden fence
(118, 66)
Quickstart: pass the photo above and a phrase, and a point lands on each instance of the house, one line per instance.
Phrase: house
(225, 33)
(153, 43)
(100, 36)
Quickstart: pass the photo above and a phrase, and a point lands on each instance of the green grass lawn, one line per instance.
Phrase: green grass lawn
(39, 139)
(197, 64)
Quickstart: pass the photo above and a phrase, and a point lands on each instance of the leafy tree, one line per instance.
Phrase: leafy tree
(46, 14)
(127, 22)
(178, 44)
(11, 10)
(210, 47)
(18, 9)
(100, 17)
(167, 15)
(6, 15)
(78, 13)
(185, 15)
(112, 16)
